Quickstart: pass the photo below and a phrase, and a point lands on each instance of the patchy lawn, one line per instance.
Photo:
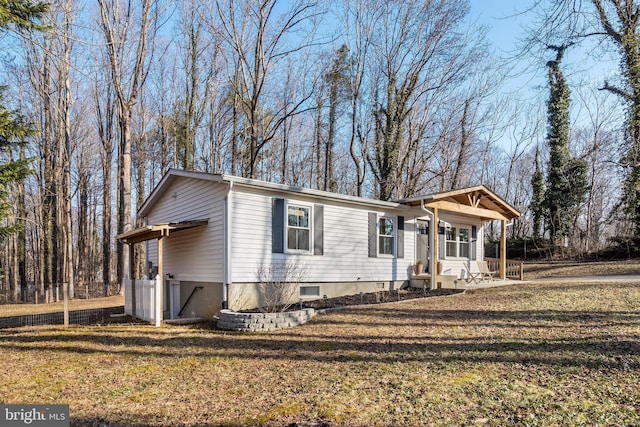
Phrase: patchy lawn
(543, 354)
(538, 270)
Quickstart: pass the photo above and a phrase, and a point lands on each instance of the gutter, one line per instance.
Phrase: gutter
(432, 229)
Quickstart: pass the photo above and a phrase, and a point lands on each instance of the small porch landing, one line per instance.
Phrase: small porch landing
(421, 281)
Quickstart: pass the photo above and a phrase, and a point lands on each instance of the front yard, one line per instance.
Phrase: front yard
(543, 354)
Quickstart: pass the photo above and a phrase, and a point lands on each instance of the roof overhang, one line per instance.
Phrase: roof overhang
(157, 231)
(476, 201)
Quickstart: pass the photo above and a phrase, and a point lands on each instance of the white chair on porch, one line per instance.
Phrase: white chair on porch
(471, 276)
(485, 271)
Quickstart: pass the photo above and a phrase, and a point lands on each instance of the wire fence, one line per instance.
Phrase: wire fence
(91, 316)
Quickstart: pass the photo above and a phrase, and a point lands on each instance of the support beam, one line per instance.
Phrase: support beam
(159, 285)
(503, 250)
(485, 214)
(132, 281)
(434, 261)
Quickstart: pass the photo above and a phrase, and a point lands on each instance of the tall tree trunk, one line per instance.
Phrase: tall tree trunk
(22, 236)
(67, 220)
(464, 148)
(105, 130)
(141, 157)
(115, 29)
(124, 190)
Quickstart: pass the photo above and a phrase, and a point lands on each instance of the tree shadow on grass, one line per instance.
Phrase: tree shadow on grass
(328, 339)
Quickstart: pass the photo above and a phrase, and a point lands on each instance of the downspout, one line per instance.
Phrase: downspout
(432, 229)
(227, 276)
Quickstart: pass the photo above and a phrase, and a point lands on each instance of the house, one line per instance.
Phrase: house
(216, 239)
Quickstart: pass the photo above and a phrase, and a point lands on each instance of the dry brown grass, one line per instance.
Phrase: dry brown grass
(529, 354)
(538, 270)
(74, 304)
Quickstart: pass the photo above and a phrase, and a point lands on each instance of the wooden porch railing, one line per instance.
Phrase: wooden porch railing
(515, 269)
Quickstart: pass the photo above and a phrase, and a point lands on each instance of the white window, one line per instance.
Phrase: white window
(458, 242)
(386, 236)
(298, 228)
(309, 291)
(451, 237)
(463, 237)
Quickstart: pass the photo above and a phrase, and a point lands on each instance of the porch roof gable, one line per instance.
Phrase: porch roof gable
(476, 201)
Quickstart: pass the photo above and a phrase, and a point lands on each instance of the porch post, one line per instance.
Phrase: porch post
(132, 281)
(434, 261)
(503, 250)
(159, 285)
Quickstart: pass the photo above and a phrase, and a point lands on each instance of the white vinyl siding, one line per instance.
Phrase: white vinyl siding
(194, 254)
(345, 255)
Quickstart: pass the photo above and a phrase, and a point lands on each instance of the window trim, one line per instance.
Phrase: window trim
(310, 227)
(458, 242)
(394, 236)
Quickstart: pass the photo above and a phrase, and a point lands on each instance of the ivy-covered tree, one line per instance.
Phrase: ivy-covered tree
(615, 26)
(566, 176)
(13, 128)
(537, 202)
(338, 80)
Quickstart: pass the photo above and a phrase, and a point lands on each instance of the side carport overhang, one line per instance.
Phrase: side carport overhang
(479, 202)
(151, 232)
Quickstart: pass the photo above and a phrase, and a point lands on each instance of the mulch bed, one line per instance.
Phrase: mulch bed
(378, 297)
(366, 298)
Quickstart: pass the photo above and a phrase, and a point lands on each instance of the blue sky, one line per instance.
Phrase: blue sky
(583, 66)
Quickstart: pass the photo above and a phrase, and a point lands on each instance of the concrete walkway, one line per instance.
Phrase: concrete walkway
(634, 278)
(631, 278)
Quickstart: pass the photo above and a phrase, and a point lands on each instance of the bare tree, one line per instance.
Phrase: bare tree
(278, 284)
(420, 56)
(104, 104)
(129, 29)
(359, 20)
(260, 38)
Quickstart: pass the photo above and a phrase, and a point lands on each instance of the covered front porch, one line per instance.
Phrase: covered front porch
(453, 250)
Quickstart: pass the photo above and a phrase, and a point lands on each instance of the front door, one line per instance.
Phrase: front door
(422, 244)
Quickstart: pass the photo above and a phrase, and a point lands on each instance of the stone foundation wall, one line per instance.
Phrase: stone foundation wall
(263, 322)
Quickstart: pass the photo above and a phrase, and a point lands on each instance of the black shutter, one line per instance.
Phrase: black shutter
(318, 230)
(441, 243)
(474, 242)
(400, 251)
(277, 226)
(373, 235)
